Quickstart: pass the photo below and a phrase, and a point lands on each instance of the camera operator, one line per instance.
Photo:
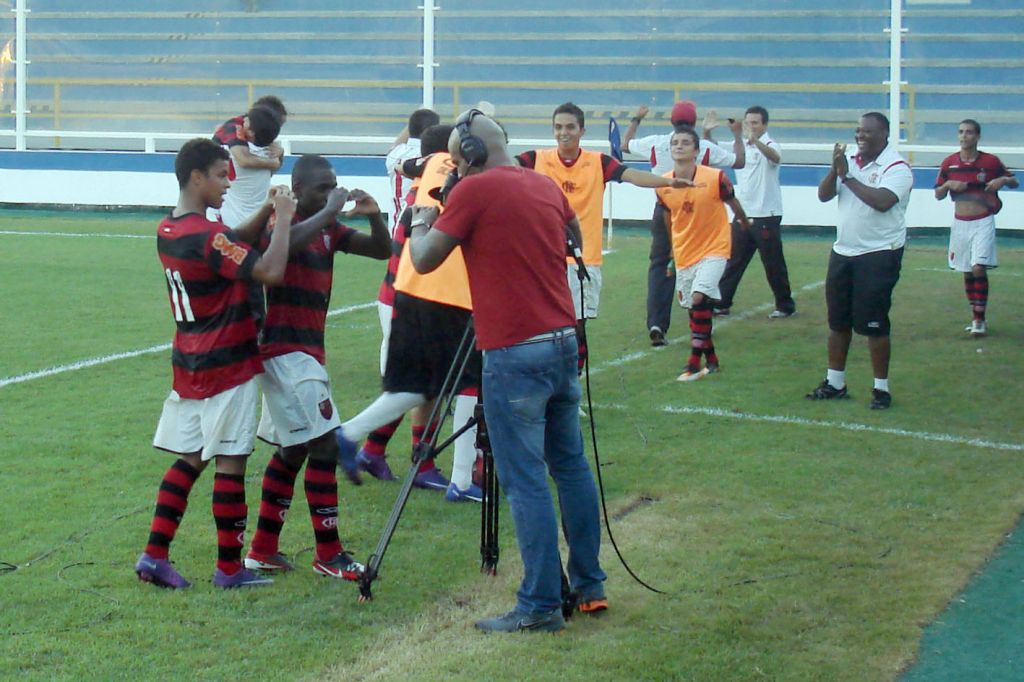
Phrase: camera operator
(511, 223)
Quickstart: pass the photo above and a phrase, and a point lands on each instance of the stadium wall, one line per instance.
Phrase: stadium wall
(141, 179)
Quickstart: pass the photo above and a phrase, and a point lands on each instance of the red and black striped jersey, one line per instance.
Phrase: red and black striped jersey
(226, 133)
(386, 293)
(297, 308)
(215, 344)
(976, 174)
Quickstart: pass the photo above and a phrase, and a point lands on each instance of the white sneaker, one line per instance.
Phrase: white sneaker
(977, 328)
(690, 375)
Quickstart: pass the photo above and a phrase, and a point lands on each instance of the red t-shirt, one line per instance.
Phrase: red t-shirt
(511, 224)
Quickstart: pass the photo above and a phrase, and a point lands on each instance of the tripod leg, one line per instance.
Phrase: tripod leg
(489, 508)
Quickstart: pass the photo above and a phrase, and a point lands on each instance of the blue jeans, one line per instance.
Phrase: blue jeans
(531, 403)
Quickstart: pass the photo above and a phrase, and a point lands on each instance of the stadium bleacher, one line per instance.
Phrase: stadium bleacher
(185, 66)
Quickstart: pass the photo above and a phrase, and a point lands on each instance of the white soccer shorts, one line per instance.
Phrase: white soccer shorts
(702, 276)
(224, 424)
(972, 242)
(297, 403)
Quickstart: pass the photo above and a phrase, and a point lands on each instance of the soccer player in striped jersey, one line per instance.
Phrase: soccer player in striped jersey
(973, 178)
(299, 415)
(210, 413)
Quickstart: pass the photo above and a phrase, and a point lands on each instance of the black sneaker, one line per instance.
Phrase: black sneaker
(880, 400)
(518, 621)
(720, 312)
(658, 337)
(826, 391)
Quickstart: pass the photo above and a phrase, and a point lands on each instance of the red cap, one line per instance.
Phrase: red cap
(684, 112)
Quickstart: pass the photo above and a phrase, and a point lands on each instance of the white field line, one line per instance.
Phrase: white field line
(78, 234)
(847, 426)
(719, 322)
(103, 359)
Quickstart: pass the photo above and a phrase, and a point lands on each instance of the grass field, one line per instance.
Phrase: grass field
(796, 540)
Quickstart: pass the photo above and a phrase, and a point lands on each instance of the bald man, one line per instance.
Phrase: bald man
(529, 349)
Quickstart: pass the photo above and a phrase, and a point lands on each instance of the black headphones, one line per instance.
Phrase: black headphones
(471, 147)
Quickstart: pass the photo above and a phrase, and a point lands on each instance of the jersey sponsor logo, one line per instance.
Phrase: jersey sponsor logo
(326, 408)
(229, 249)
(569, 187)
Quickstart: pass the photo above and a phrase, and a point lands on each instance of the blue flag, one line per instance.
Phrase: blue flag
(614, 139)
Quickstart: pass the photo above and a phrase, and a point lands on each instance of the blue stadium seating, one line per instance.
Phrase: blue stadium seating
(816, 63)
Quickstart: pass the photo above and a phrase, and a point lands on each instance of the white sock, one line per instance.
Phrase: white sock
(384, 410)
(465, 445)
(882, 384)
(836, 378)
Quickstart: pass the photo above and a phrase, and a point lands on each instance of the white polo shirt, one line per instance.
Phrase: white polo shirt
(757, 183)
(400, 185)
(658, 149)
(862, 229)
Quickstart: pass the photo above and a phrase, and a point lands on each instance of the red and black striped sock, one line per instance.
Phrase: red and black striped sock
(377, 442)
(278, 489)
(969, 288)
(229, 513)
(980, 300)
(420, 433)
(710, 357)
(171, 502)
(322, 497)
(693, 363)
(700, 333)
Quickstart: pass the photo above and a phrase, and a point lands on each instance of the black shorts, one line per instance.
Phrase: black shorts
(424, 339)
(858, 291)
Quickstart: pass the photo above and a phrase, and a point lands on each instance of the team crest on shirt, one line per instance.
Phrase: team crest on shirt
(327, 241)
(568, 186)
(981, 176)
(687, 206)
(326, 409)
(873, 178)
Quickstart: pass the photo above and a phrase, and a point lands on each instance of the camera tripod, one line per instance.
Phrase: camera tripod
(429, 449)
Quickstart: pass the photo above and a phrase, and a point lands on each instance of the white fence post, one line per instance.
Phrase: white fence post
(20, 60)
(428, 53)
